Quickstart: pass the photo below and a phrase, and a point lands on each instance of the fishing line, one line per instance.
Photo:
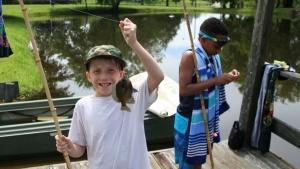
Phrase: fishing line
(52, 2)
(113, 20)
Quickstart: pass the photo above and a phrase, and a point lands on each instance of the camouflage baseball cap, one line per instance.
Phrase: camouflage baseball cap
(105, 51)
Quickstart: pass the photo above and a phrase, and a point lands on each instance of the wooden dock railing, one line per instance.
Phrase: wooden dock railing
(282, 129)
(261, 31)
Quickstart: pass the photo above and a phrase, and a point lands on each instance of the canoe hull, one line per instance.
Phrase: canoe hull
(37, 138)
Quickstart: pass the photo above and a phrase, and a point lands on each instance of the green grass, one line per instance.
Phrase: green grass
(21, 65)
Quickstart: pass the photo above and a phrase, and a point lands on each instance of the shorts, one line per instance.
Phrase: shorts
(181, 135)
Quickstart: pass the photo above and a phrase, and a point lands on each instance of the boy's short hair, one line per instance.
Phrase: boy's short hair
(213, 26)
(105, 51)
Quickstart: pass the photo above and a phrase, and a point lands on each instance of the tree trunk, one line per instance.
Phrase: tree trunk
(86, 7)
(115, 6)
(241, 4)
(278, 4)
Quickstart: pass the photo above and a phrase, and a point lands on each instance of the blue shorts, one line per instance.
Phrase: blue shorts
(181, 136)
(180, 149)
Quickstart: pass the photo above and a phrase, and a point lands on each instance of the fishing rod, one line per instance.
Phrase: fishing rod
(198, 81)
(44, 80)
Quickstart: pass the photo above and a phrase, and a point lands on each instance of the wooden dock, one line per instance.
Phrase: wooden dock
(223, 158)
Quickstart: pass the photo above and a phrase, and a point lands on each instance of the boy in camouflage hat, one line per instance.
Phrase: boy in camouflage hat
(113, 138)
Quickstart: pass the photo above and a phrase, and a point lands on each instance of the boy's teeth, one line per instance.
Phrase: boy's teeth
(104, 84)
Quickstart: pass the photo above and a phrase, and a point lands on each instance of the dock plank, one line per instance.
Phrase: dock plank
(164, 160)
(153, 162)
(228, 158)
(223, 158)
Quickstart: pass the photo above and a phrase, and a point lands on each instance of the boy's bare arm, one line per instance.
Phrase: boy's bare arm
(155, 74)
(187, 88)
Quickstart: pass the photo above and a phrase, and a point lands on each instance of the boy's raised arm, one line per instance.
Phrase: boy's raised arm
(155, 74)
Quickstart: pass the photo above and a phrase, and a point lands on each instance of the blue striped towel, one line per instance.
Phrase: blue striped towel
(215, 104)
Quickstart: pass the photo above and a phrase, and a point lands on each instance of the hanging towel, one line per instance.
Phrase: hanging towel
(215, 102)
(5, 49)
(261, 133)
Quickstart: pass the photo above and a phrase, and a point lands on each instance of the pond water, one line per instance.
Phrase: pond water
(63, 44)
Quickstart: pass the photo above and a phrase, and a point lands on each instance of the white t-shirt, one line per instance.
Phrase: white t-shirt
(114, 139)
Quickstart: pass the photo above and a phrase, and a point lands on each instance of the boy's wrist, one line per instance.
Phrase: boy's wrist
(134, 44)
(215, 82)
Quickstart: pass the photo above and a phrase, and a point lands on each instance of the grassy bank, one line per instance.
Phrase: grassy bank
(21, 65)
(40, 12)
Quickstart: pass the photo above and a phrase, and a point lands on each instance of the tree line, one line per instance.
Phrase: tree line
(115, 3)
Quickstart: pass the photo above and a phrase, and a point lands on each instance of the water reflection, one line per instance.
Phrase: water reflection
(63, 43)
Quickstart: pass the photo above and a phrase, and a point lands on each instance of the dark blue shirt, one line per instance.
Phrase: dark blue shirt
(186, 104)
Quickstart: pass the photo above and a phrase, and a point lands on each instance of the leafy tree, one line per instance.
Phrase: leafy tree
(114, 4)
(232, 3)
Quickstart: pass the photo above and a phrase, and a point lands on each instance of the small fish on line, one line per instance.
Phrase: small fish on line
(122, 92)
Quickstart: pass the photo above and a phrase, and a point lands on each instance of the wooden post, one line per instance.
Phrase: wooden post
(261, 30)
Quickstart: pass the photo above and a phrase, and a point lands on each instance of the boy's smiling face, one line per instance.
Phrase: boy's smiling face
(104, 74)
